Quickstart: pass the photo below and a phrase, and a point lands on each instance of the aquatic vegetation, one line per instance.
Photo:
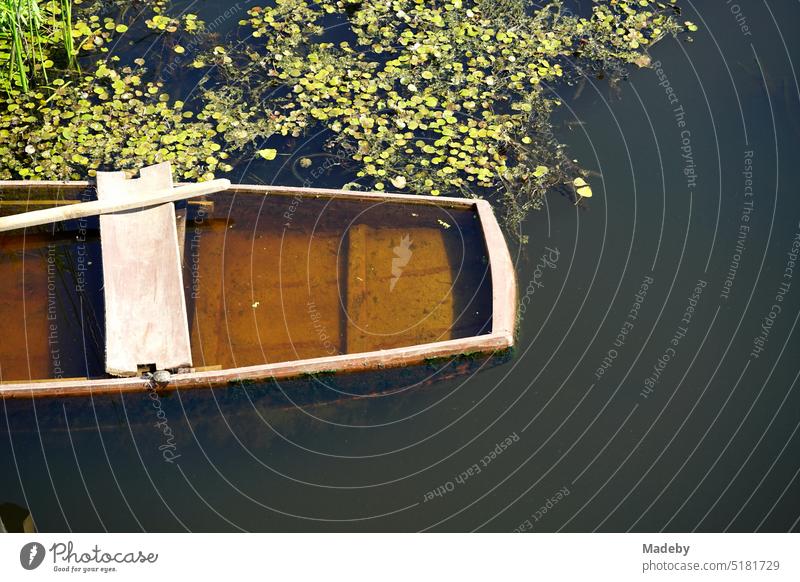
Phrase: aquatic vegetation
(582, 189)
(112, 119)
(105, 116)
(434, 97)
(428, 97)
(30, 34)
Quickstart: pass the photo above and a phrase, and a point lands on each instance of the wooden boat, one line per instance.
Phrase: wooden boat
(278, 283)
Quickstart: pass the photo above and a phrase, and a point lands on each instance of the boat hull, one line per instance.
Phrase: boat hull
(496, 337)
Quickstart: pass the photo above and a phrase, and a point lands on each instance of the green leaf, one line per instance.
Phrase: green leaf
(582, 188)
(268, 154)
(399, 182)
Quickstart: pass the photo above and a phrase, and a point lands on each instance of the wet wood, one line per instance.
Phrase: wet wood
(146, 321)
(399, 288)
(180, 223)
(86, 209)
(279, 303)
(22, 279)
(501, 318)
(35, 202)
(205, 290)
(504, 279)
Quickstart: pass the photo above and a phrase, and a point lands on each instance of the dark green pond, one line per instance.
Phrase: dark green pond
(654, 386)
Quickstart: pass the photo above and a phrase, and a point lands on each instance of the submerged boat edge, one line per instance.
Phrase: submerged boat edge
(500, 340)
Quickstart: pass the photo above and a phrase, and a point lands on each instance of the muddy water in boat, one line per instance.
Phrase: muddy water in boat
(267, 278)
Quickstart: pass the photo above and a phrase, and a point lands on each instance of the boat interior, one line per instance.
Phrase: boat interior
(268, 277)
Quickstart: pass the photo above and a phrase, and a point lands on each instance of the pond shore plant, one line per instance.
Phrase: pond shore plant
(450, 97)
(106, 115)
(31, 33)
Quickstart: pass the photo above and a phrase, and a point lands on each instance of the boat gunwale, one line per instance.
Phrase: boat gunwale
(501, 338)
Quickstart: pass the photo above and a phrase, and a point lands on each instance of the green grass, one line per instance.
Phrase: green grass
(30, 33)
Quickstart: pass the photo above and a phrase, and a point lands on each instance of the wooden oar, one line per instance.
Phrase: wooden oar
(95, 207)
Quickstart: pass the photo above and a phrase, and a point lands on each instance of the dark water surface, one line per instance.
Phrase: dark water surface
(655, 382)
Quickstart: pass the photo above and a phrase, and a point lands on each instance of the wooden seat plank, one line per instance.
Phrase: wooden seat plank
(146, 321)
(399, 288)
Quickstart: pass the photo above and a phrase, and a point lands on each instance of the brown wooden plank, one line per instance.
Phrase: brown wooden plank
(180, 223)
(504, 278)
(206, 251)
(24, 351)
(146, 320)
(399, 288)
(265, 299)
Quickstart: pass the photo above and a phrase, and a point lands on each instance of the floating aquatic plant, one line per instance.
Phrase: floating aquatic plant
(112, 119)
(424, 96)
(106, 116)
(430, 97)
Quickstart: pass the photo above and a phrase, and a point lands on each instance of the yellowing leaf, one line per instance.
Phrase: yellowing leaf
(268, 154)
(540, 171)
(399, 182)
(582, 188)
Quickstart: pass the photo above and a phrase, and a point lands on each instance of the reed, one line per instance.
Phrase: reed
(66, 32)
(29, 31)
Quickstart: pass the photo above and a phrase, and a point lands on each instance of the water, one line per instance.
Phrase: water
(651, 388)
(267, 279)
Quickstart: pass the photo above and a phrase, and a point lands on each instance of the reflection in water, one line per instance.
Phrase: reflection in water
(15, 519)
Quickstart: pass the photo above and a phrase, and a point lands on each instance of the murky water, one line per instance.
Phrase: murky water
(654, 385)
(267, 279)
